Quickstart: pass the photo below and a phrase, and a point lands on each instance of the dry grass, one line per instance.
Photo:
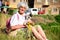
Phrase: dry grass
(52, 33)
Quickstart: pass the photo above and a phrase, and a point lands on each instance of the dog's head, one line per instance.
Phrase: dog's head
(28, 16)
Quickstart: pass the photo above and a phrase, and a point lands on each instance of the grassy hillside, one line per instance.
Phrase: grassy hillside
(48, 22)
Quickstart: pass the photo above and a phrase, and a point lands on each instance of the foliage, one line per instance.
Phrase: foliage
(57, 18)
(10, 12)
(52, 29)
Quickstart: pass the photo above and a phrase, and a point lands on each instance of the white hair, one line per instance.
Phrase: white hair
(24, 4)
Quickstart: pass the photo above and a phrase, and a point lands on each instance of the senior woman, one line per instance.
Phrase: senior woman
(18, 19)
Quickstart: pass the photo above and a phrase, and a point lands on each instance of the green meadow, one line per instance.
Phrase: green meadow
(49, 23)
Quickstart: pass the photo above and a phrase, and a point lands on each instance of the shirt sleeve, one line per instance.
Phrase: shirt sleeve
(13, 21)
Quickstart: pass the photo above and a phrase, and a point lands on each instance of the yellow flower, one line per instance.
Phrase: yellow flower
(29, 26)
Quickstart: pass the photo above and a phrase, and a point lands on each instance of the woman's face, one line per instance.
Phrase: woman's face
(22, 10)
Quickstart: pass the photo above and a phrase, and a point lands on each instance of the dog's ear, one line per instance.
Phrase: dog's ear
(30, 15)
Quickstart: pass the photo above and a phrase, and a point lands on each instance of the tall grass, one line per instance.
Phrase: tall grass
(51, 29)
(3, 19)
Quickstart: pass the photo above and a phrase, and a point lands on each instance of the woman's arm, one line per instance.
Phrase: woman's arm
(17, 27)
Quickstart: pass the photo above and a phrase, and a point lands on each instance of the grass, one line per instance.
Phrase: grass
(52, 29)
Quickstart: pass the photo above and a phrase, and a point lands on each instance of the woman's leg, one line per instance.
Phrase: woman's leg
(41, 32)
(37, 35)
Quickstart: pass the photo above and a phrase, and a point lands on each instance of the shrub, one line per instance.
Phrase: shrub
(57, 18)
(10, 12)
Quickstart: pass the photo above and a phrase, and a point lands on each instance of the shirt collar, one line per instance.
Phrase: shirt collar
(19, 14)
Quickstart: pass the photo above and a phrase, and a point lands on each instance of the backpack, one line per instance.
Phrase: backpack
(8, 27)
